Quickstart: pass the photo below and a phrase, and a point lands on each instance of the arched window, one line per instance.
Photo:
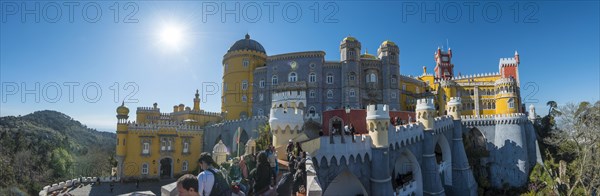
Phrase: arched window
(329, 78)
(393, 80)
(261, 97)
(145, 168)
(244, 98)
(312, 77)
(312, 94)
(330, 94)
(312, 110)
(351, 76)
(184, 167)
(292, 77)
(246, 63)
(186, 147)
(511, 103)
(261, 112)
(274, 80)
(262, 83)
(244, 85)
(372, 77)
(352, 93)
(146, 148)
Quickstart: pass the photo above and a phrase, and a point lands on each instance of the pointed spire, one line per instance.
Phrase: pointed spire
(516, 53)
(123, 103)
(247, 36)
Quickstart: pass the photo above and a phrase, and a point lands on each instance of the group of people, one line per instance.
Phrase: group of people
(260, 181)
(297, 165)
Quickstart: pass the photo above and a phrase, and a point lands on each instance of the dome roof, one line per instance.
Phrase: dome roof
(349, 39)
(122, 110)
(366, 55)
(220, 148)
(388, 42)
(247, 44)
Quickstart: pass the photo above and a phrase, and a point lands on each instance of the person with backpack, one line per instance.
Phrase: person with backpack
(210, 180)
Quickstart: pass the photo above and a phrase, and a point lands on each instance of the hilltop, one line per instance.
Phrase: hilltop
(45, 147)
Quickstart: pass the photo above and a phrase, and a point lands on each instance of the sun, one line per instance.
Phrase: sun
(172, 36)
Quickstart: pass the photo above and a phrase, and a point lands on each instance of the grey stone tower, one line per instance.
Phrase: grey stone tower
(463, 182)
(432, 183)
(378, 119)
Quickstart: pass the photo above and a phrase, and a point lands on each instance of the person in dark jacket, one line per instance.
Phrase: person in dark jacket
(261, 175)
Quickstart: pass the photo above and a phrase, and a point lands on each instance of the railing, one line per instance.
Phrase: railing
(407, 188)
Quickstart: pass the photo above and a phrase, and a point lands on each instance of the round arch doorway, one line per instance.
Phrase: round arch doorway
(166, 168)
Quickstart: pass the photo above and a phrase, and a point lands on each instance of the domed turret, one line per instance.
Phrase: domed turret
(349, 49)
(123, 110)
(220, 152)
(247, 44)
(239, 63)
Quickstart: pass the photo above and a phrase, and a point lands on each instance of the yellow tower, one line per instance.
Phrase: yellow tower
(378, 118)
(122, 116)
(197, 102)
(238, 67)
(507, 101)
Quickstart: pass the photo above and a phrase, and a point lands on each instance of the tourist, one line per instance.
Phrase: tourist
(272, 158)
(261, 175)
(299, 178)
(206, 179)
(289, 148)
(187, 185)
(298, 149)
(352, 132)
(346, 129)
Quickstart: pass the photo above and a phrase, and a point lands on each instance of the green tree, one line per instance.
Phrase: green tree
(265, 137)
(61, 162)
(577, 138)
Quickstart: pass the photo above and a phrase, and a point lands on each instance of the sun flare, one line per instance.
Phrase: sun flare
(172, 36)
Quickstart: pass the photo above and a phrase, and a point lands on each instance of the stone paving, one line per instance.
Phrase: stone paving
(119, 188)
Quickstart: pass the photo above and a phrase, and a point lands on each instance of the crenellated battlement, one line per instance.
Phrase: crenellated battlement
(506, 81)
(288, 96)
(472, 76)
(341, 151)
(443, 123)
(379, 111)
(514, 118)
(147, 109)
(508, 62)
(225, 122)
(425, 104)
(163, 125)
(403, 135)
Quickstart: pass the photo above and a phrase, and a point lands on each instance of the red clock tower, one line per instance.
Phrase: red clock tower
(444, 69)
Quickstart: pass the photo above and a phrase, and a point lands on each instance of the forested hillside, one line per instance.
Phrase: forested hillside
(47, 147)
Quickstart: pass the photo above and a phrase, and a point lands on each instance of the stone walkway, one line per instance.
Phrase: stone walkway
(120, 188)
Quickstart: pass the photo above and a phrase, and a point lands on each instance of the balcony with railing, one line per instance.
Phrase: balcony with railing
(408, 188)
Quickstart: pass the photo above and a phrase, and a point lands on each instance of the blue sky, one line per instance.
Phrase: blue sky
(558, 43)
